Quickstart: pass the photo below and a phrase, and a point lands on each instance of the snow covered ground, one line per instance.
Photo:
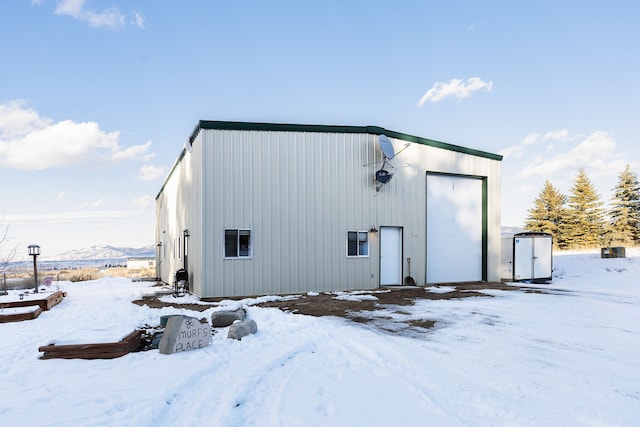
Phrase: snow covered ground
(567, 357)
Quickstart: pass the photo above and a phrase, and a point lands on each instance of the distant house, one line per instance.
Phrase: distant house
(265, 208)
(140, 263)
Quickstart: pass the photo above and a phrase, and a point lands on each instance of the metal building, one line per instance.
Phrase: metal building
(264, 208)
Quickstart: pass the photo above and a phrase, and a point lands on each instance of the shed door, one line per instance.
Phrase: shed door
(523, 258)
(542, 248)
(532, 257)
(454, 229)
(390, 256)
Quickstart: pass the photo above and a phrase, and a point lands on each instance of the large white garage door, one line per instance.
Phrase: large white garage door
(454, 229)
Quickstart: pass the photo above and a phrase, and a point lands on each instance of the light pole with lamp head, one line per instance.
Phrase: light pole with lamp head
(34, 251)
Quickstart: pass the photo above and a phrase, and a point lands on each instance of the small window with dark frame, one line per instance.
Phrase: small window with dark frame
(357, 244)
(237, 243)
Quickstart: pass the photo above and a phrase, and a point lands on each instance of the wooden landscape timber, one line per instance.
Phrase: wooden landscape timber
(43, 304)
(93, 351)
(29, 314)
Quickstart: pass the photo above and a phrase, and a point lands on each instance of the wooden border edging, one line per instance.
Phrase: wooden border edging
(19, 317)
(44, 303)
(93, 351)
(55, 299)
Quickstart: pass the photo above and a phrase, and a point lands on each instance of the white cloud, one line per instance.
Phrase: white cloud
(596, 154)
(109, 18)
(61, 195)
(517, 151)
(135, 152)
(69, 217)
(31, 142)
(454, 88)
(138, 20)
(558, 135)
(536, 138)
(88, 212)
(69, 7)
(150, 173)
(514, 151)
(530, 139)
(16, 120)
(557, 156)
(144, 202)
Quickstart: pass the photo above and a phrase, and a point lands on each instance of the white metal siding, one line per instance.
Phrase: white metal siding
(288, 188)
(299, 193)
(178, 208)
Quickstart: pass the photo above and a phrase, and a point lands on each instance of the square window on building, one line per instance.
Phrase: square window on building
(237, 243)
(357, 244)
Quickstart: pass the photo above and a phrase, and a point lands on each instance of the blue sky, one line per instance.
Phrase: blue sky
(98, 97)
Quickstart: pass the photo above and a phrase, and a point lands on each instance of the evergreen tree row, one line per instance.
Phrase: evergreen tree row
(579, 220)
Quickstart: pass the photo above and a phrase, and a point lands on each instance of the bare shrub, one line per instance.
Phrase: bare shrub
(24, 279)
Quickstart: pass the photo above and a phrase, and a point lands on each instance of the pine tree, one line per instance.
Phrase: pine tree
(548, 213)
(625, 210)
(584, 225)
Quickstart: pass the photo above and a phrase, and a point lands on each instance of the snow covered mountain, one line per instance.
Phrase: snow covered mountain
(104, 252)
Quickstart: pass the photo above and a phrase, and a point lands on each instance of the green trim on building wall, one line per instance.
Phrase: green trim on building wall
(485, 229)
(376, 130)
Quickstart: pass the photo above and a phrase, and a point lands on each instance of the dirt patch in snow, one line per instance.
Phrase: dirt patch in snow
(360, 306)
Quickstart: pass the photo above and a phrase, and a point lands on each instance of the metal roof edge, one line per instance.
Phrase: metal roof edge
(437, 144)
(173, 168)
(288, 127)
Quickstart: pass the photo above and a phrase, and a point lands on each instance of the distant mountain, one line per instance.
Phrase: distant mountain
(104, 252)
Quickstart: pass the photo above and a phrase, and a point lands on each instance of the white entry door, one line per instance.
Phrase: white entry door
(390, 256)
(454, 228)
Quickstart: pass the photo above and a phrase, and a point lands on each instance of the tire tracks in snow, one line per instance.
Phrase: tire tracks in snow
(279, 377)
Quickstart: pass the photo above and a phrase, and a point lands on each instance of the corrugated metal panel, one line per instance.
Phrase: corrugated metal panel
(288, 188)
(300, 192)
(178, 208)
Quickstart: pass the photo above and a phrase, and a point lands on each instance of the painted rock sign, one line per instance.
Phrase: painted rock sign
(184, 333)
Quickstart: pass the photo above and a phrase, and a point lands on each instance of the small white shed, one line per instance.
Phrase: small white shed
(527, 256)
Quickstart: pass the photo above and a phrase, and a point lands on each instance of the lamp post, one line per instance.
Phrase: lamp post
(34, 251)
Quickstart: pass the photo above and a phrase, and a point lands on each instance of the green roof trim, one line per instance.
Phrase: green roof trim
(288, 127)
(376, 130)
(173, 168)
